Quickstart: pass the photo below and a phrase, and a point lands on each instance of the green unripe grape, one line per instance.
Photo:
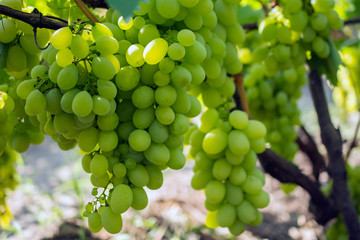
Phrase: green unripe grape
(121, 199)
(127, 78)
(215, 141)
(238, 142)
(20, 142)
(293, 6)
(79, 47)
(158, 154)
(68, 77)
(259, 200)
(237, 228)
(165, 115)
(180, 76)
(226, 215)
(189, 3)
(82, 104)
(64, 57)
(53, 98)
(252, 185)
(99, 30)
(25, 88)
(125, 24)
(108, 140)
(39, 72)
(234, 194)
(299, 21)
(255, 129)
(130, 163)
(182, 103)
(138, 176)
(210, 220)
(246, 212)
(107, 45)
(167, 8)
(139, 140)
(238, 175)
(88, 139)
(176, 51)
(322, 5)
(140, 199)
(8, 30)
(155, 177)
(193, 21)
(195, 53)
(165, 96)
(238, 119)
(111, 221)
(143, 118)
(319, 21)
(101, 106)
(16, 59)
(99, 165)
(134, 55)
(177, 159)
(180, 125)
(166, 65)
(85, 163)
(94, 222)
(215, 191)
(221, 169)
(103, 68)
(158, 132)
(61, 38)
(143, 97)
(35, 103)
(208, 120)
(155, 51)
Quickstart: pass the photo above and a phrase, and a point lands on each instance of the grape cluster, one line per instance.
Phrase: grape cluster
(22, 52)
(8, 158)
(119, 93)
(314, 21)
(273, 81)
(346, 93)
(224, 147)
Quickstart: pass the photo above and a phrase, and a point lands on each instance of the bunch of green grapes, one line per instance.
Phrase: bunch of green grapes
(338, 229)
(18, 37)
(313, 21)
(346, 93)
(8, 158)
(224, 147)
(274, 76)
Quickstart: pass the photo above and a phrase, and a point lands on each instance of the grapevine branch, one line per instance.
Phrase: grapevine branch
(36, 20)
(331, 138)
(307, 145)
(287, 172)
(352, 21)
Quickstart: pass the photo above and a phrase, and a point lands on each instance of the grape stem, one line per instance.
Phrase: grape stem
(239, 82)
(86, 11)
(36, 20)
(332, 140)
(307, 145)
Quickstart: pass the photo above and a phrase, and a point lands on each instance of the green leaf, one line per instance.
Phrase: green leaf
(333, 63)
(125, 7)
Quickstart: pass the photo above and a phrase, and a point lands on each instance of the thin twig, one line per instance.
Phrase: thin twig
(332, 140)
(86, 11)
(307, 145)
(36, 20)
(353, 142)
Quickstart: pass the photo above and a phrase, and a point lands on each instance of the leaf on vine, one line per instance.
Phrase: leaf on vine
(333, 63)
(126, 7)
